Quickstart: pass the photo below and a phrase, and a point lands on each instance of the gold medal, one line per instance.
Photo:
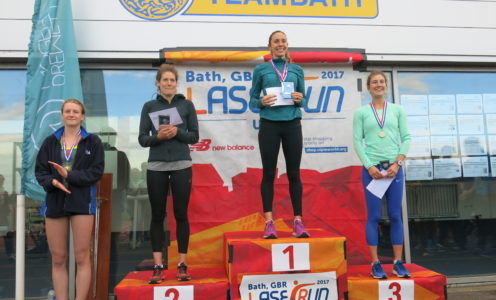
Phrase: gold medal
(68, 168)
(382, 134)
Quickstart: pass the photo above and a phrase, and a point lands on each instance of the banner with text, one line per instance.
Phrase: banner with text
(227, 164)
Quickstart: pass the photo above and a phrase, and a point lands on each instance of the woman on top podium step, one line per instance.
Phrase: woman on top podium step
(283, 87)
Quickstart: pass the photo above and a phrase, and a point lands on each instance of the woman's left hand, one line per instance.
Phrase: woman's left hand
(297, 96)
(61, 170)
(392, 170)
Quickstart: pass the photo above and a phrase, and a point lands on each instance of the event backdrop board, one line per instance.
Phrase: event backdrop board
(286, 266)
(227, 168)
(206, 284)
(424, 284)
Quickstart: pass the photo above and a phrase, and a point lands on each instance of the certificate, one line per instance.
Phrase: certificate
(470, 124)
(491, 123)
(493, 166)
(469, 103)
(442, 104)
(419, 169)
(418, 125)
(415, 104)
(491, 140)
(170, 113)
(443, 124)
(473, 145)
(475, 166)
(420, 146)
(447, 168)
(444, 145)
(280, 100)
(489, 101)
(379, 186)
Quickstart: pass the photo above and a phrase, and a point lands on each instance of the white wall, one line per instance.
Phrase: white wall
(424, 30)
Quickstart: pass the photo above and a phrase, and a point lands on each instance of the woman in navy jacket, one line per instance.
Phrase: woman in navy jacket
(68, 166)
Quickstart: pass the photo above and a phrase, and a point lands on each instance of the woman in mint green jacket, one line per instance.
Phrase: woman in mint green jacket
(378, 129)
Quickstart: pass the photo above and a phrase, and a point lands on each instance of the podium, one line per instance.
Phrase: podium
(286, 267)
(312, 268)
(423, 284)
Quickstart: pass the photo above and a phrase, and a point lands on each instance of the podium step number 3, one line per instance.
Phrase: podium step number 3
(396, 290)
(290, 257)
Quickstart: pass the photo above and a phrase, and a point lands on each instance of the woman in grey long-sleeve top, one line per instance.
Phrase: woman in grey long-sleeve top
(167, 125)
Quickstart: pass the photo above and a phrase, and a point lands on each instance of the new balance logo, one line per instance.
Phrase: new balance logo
(202, 145)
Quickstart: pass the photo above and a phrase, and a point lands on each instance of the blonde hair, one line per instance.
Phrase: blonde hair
(373, 73)
(75, 101)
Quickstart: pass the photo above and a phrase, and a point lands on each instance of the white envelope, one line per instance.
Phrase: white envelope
(378, 187)
(175, 118)
(279, 100)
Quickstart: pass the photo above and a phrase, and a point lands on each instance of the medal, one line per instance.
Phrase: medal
(67, 154)
(381, 121)
(281, 75)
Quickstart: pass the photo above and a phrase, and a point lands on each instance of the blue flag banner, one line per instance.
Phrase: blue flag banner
(52, 77)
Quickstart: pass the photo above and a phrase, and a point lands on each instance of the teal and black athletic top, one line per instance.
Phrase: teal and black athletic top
(370, 147)
(264, 77)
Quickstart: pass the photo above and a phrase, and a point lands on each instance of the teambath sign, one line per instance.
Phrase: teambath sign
(304, 286)
(164, 9)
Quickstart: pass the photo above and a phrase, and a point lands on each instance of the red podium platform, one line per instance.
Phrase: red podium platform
(423, 285)
(269, 268)
(206, 284)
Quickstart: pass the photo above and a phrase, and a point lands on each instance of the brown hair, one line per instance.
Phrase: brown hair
(75, 101)
(373, 73)
(288, 57)
(165, 68)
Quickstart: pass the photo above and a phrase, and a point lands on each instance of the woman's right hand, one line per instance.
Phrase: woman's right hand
(166, 132)
(269, 100)
(60, 186)
(375, 173)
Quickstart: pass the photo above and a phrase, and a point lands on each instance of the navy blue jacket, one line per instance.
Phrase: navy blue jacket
(86, 171)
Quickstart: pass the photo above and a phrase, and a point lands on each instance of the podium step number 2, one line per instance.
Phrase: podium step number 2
(180, 292)
(290, 257)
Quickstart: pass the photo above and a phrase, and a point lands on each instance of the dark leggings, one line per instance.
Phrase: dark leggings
(270, 137)
(158, 188)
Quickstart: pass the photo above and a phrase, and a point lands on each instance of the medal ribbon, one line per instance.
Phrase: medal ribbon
(382, 120)
(282, 75)
(68, 156)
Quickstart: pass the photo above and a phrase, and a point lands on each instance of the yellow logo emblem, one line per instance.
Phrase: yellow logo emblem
(153, 9)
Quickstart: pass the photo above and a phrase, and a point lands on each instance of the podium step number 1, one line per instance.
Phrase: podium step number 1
(290, 257)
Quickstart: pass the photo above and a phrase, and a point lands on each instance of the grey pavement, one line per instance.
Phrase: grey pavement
(473, 292)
